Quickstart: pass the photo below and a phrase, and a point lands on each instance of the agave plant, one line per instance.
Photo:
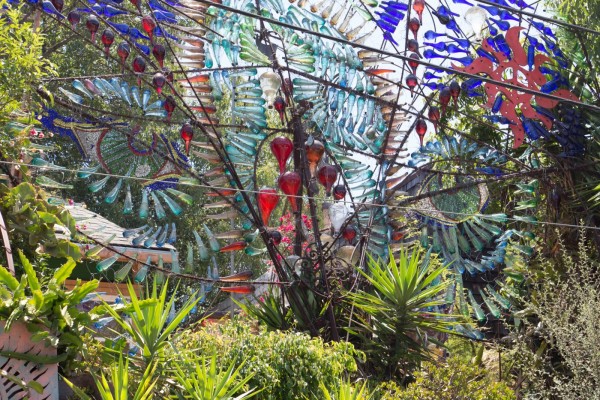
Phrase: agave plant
(398, 316)
(347, 391)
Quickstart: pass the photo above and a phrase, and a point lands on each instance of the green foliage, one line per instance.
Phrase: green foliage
(555, 352)
(21, 62)
(395, 318)
(30, 221)
(49, 312)
(149, 324)
(269, 310)
(283, 365)
(452, 380)
(347, 391)
(207, 383)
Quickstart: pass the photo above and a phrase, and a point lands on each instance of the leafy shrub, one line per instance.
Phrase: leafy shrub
(453, 380)
(283, 365)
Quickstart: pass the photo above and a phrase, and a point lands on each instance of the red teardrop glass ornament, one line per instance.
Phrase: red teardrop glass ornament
(139, 66)
(314, 153)
(136, 3)
(235, 246)
(339, 192)
(267, 201)
(419, 7)
(445, 96)
(169, 106)
(158, 51)
(92, 25)
(421, 129)
(413, 62)
(240, 276)
(245, 289)
(74, 17)
(349, 233)
(108, 37)
(58, 4)
(187, 134)
(434, 116)
(397, 235)
(282, 148)
(290, 183)
(280, 105)
(413, 45)
(158, 80)
(123, 51)
(148, 25)
(276, 237)
(411, 81)
(327, 176)
(414, 26)
(455, 92)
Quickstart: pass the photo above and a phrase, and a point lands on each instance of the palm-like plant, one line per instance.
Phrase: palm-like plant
(206, 382)
(347, 391)
(397, 316)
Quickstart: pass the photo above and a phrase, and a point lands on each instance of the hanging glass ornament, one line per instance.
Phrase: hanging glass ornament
(169, 106)
(158, 80)
(339, 192)
(349, 234)
(159, 51)
(327, 176)
(445, 96)
(476, 17)
(92, 24)
(434, 116)
(270, 82)
(282, 148)
(108, 37)
(290, 183)
(411, 82)
(187, 134)
(413, 26)
(280, 105)
(421, 129)
(419, 7)
(455, 92)
(123, 51)
(337, 215)
(276, 237)
(74, 17)
(139, 66)
(149, 25)
(267, 201)
(314, 153)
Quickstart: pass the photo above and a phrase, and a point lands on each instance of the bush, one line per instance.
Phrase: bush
(284, 365)
(452, 380)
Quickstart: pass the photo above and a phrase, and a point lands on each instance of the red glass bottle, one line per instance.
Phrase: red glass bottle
(245, 289)
(123, 51)
(421, 128)
(282, 148)
(419, 7)
(314, 153)
(108, 37)
(339, 192)
(280, 105)
(413, 45)
(290, 183)
(58, 4)
(411, 81)
(235, 246)
(158, 51)
(169, 106)
(434, 116)
(139, 66)
(276, 237)
(327, 176)
(187, 134)
(158, 80)
(413, 26)
(148, 25)
(92, 25)
(349, 233)
(267, 201)
(413, 62)
(455, 92)
(445, 96)
(74, 17)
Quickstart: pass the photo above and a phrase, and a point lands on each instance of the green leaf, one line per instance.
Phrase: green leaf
(64, 272)
(34, 284)
(7, 279)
